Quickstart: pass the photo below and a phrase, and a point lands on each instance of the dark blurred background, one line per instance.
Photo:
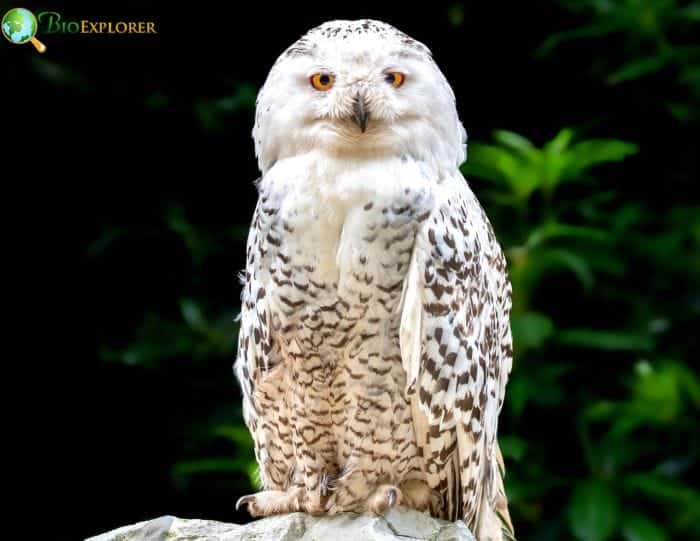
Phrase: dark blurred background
(128, 170)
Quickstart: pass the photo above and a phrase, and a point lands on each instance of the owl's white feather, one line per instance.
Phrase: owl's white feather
(375, 340)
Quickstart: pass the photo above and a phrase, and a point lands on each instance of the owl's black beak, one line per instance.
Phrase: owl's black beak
(361, 112)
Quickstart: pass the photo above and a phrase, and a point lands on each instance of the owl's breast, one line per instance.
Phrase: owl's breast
(338, 250)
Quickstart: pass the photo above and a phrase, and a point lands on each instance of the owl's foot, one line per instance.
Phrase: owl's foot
(384, 498)
(272, 502)
(417, 494)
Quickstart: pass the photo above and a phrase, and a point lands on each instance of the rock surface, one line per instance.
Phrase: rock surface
(398, 525)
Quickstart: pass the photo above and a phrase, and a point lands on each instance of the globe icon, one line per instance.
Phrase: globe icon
(19, 26)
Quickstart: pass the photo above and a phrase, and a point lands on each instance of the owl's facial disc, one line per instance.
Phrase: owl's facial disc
(356, 90)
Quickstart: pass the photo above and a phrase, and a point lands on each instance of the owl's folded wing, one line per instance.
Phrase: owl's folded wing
(457, 351)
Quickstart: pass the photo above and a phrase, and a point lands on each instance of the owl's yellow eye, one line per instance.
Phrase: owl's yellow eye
(395, 78)
(322, 81)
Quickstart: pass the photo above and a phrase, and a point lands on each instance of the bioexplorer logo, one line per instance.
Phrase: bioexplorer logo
(52, 22)
(20, 26)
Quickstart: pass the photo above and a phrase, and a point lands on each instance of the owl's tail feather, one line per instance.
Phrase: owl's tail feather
(501, 507)
(494, 523)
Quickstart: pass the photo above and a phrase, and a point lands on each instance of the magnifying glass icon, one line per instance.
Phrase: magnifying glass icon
(19, 26)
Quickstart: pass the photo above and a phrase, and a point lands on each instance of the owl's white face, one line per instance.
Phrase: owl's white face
(360, 89)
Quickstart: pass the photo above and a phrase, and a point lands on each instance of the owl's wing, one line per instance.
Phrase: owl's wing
(258, 355)
(456, 348)
(254, 334)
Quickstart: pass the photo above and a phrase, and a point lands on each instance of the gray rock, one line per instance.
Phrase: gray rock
(398, 525)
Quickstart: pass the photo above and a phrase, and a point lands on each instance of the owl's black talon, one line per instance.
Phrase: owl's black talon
(440, 498)
(391, 497)
(244, 500)
(325, 479)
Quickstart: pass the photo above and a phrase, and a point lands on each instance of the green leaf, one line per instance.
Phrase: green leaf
(586, 154)
(199, 244)
(494, 163)
(174, 216)
(157, 101)
(593, 511)
(603, 259)
(236, 434)
(639, 67)
(560, 142)
(253, 471)
(531, 329)
(211, 113)
(691, 13)
(192, 314)
(596, 29)
(606, 340)
(157, 339)
(516, 163)
(659, 488)
(516, 142)
(212, 464)
(657, 393)
(554, 230)
(559, 257)
(239, 232)
(601, 410)
(194, 338)
(512, 447)
(627, 216)
(61, 75)
(540, 385)
(636, 527)
(107, 238)
(683, 377)
(680, 111)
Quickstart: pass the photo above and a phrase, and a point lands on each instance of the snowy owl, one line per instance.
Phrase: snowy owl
(375, 341)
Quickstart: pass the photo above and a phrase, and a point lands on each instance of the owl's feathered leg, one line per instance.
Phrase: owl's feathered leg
(272, 502)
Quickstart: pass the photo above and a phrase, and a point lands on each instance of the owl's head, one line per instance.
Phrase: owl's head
(361, 89)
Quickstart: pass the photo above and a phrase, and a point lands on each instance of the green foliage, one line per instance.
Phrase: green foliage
(593, 511)
(241, 462)
(657, 38)
(212, 112)
(595, 242)
(522, 169)
(200, 332)
(637, 527)
(192, 335)
(552, 241)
